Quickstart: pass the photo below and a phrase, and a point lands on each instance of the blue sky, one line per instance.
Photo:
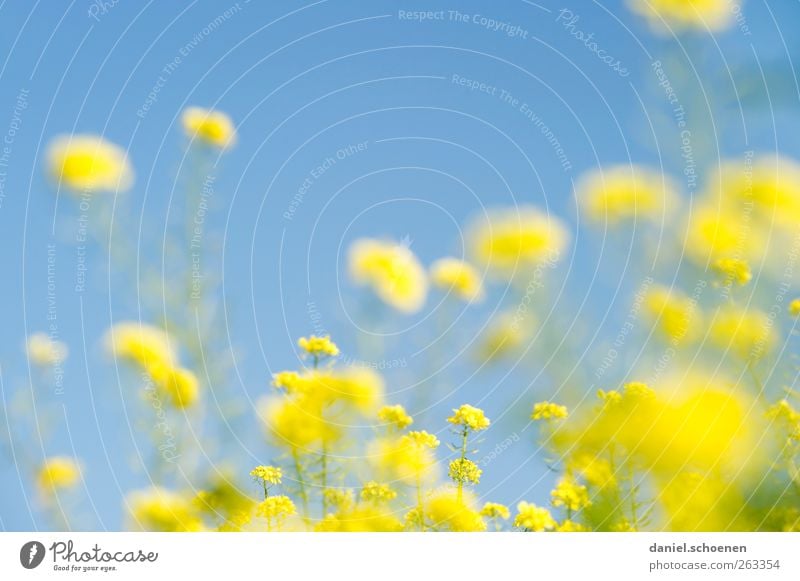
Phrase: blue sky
(416, 153)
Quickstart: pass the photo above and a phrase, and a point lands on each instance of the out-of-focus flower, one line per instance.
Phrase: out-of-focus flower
(470, 417)
(733, 271)
(338, 497)
(717, 231)
(392, 271)
(495, 510)
(459, 277)
(178, 384)
(569, 526)
(88, 163)
(570, 494)
(318, 346)
(505, 334)
(545, 410)
(396, 416)
(367, 518)
(297, 427)
(288, 380)
(794, 308)
(749, 333)
(409, 458)
(675, 316)
(446, 510)
(533, 518)
(513, 241)
(211, 127)
(45, 351)
(613, 195)
(275, 508)
(141, 344)
(58, 472)
(679, 15)
(160, 510)
(377, 492)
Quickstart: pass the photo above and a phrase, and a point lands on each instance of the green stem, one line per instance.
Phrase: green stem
(420, 507)
(464, 435)
(301, 482)
(324, 479)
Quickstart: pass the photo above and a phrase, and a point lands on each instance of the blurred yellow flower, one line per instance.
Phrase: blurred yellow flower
(377, 492)
(318, 346)
(447, 511)
(513, 241)
(88, 163)
(677, 15)
(794, 308)
(495, 510)
(58, 472)
(159, 510)
(570, 494)
(141, 344)
(357, 388)
(470, 417)
(288, 380)
(533, 518)
(392, 271)
(368, 518)
(733, 271)
(423, 439)
(626, 192)
(545, 410)
(396, 416)
(296, 426)
(211, 127)
(505, 334)
(178, 384)
(717, 231)
(675, 316)
(569, 526)
(338, 497)
(409, 458)
(44, 351)
(459, 277)
(749, 333)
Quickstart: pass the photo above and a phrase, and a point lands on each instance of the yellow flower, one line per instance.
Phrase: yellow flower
(293, 426)
(513, 241)
(58, 472)
(409, 458)
(376, 492)
(318, 346)
(338, 497)
(636, 390)
(505, 335)
(596, 471)
(88, 163)
(357, 388)
(44, 351)
(446, 512)
(208, 126)
(783, 411)
(546, 410)
(749, 333)
(423, 439)
(794, 308)
(570, 495)
(678, 15)
(733, 271)
(276, 507)
(569, 526)
(365, 518)
(160, 510)
(395, 415)
(141, 344)
(610, 397)
(288, 380)
(392, 271)
(718, 231)
(470, 417)
(620, 193)
(495, 510)
(178, 384)
(464, 471)
(267, 474)
(459, 277)
(533, 518)
(675, 315)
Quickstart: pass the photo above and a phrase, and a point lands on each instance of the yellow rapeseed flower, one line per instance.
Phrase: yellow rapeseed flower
(267, 474)
(318, 346)
(377, 492)
(341, 498)
(513, 241)
(44, 351)
(160, 510)
(675, 316)
(423, 439)
(58, 472)
(288, 380)
(794, 308)
(392, 271)
(678, 15)
(570, 494)
(409, 458)
(396, 416)
(733, 271)
(459, 277)
(211, 127)
(276, 507)
(748, 333)
(545, 410)
(366, 518)
(88, 163)
(569, 526)
(626, 192)
(717, 230)
(178, 384)
(470, 417)
(141, 344)
(533, 518)
(464, 471)
(296, 427)
(446, 512)
(495, 510)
